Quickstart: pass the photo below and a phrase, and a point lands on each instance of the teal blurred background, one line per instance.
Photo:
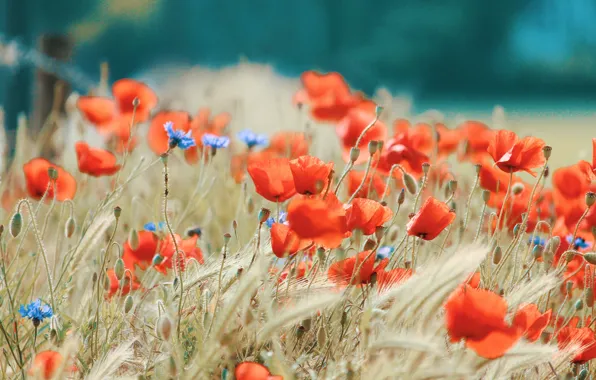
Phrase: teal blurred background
(464, 54)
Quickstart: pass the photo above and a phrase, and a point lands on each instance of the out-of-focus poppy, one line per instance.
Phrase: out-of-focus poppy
(157, 136)
(254, 371)
(393, 277)
(285, 242)
(366, 215)
(143, 255)
(512, 154)
(355, 178)
(531, 321)
(95, 162)
(321, 220)
(354, 270)
(432, 218)
(478, 317)
(38, 180)
(407, 148)
(115, 284)
(476, 136)
(311, 174)
(289, 144)
(46, 363)
(273, 178)
(167, 251)
(583, 338)
(352, 126)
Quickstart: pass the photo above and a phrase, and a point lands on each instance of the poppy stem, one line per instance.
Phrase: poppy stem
(343, 176)
(135, 104)
(469, 203)
(482, 212)
(361, 185)
(386, 190)
(219, 280)
(501, 211)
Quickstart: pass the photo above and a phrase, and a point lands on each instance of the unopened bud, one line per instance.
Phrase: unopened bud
(485, 196)
(69, 228)
(554, 244)
(517, 188)
(379, 232)
(250, 205)
(497, 255)
(133, 239)
(569, 286)
(321, 254)
(478, 168)
(579, 304)
(452, 186)
(589, 297)
(53, 173)
(354, 154)
(401, 197)
(590, 257)
(227, 236)
(516, 229)
(300, 332)
(370, 244)
(117, 212)
(546, 171)
(583, 374)
(164, 327)
(106, 282)
(410, 183)
(264, 215)
(136, 102)
(547, 150)
(128, 303)
(537, 252)
(16, 223)
(119, 268)
(157, 259)
(425, 168)
(590, 198)
(372, 147)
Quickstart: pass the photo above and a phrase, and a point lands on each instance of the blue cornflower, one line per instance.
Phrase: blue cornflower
(537, 241)
(179, 138)
(36, 312)
(384, 252)
(252, 139)
(195, 231)
(215, 141)
(154, 227)
(282, 219)
(580, 243)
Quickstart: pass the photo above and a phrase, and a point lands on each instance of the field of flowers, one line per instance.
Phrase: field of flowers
(143, 241)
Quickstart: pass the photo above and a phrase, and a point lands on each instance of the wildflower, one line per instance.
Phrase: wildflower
(285, 242)
(281, 219)
(579, 243)
(384, 252)
(298, 270)
(151, 226)
(356, 177)
(36, 312)
(167, 250)
(366, 215)
(321, 220)
(512, 154)
(388, 279)
(537, 240)
(38, 180)
(584, 338)
(407, 148)
(311, 175)
(95, 162)
(158, 137)
(289, 144)
(195, 231)
(215, 141)
(478, 317)
(476, 136)
(252, 139)
(177, 138)
(432, 218)
(273, 178)
(46, 363)
(253, 371)
(531, 321)
(351, 127)
(142, 256)
(115, 284)
(354, 270)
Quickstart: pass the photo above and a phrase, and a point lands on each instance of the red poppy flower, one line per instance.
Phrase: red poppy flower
(571, 184)
(285, 242)
(478, 317)
(109, 115)
(299, 271)
(419, 136)
(157, 136)
(329, 95)
(449, 139)
(583, 338)
(512, 154)
(115, 284)
(432, 218)
(531, 321)
(393, 277)
(407, 148)
(46, 363)
(167, 250)
(321, 220)
(37, 180)
(355, 178)
(354, 270)
(366, 215)
(474, 280)
(143, 255)
(273, 178)
(477, 137)
(14, 190)
(289, 144)
(351, 127)
(253, 371)
(311, 174)
(95, 162)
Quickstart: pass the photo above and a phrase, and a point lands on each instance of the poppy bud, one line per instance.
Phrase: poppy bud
(250, 206)
(478, 167)
(380, 144)
(452, 186)
(136, 102)
(485, 196)
(300, 332)
(321, 336)
(157, 259)
(546, 171)
(133, 239)
(370, 244)
(16, 223)
(378, 111)
(497, 255)
(53, 173)
(128, 303)
(583, 374)
(590, 198)
(579, 304)
(321, 254)
(117, 212)
(410, 183)
(589, 297)
(554, 243)
(537, 252)
(517, 188)
(569, 286)
(401, 197)
(106, 283)
(372, 147)
(94, 277)
(590, 257)
(175, 283)
(1, 229)
(425, 168)
(173, 368)
(546, 150)
(394, 231)
(354, 154)
(264, 215)
(163, 327)
(227, 236)
(119, 269)
(379, 232)
(69, 228)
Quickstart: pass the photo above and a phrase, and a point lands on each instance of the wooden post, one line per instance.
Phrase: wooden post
(50, 92)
